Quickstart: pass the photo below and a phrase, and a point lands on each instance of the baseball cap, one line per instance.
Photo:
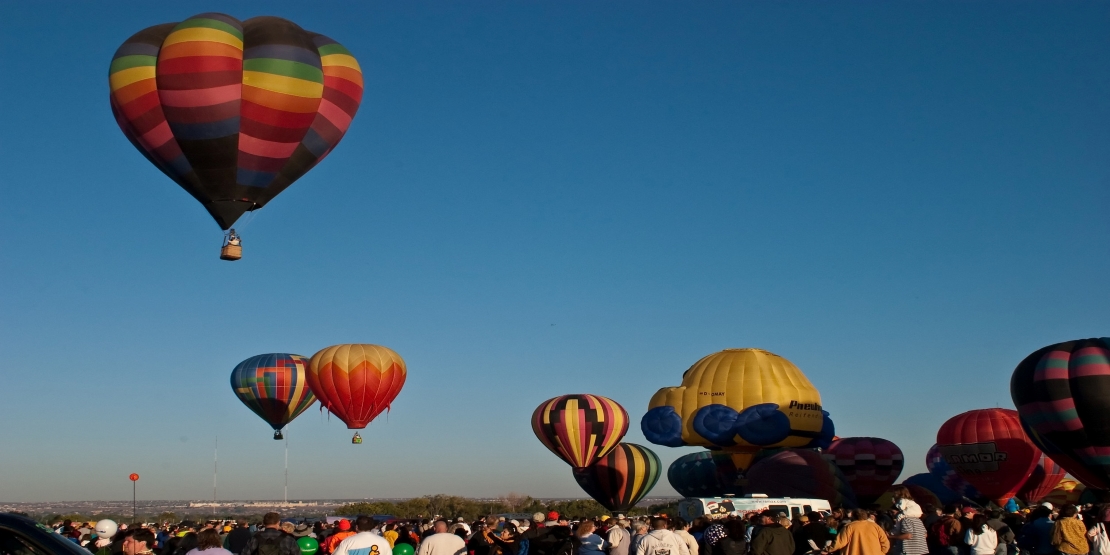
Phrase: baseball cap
(538, 517)
(344, 524)
(553, 515)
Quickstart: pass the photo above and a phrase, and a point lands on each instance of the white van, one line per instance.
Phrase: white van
(721, 507)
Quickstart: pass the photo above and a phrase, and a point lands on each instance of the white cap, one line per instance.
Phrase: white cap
(1047, 505)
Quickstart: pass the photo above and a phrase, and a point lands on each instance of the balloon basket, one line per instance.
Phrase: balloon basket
(231, 252)
(357, 440)
(278, 436)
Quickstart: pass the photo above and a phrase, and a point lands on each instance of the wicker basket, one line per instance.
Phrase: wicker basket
(231, 252)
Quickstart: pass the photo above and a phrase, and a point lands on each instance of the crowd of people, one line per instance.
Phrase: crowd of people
(905, 529)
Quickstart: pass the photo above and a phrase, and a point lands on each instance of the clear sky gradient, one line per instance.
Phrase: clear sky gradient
(539, 198)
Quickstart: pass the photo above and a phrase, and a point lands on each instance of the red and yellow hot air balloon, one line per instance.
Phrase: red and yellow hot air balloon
(233, 111)
(989, 449)
(356, 382)
(580, 429)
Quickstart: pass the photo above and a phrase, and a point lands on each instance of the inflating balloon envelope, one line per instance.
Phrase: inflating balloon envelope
(739, 401)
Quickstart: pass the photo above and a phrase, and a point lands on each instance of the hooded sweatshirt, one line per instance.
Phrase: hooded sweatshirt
(661, 542)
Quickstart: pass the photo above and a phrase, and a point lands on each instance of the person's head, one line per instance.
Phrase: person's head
(736, 529)
(680, 524)
(900, 492)
(343, 525)
(784, 522)
(640, 527)
(951, 509)
(288, 527)
(814, 516)
(271, 520)
(1068, 511)
(766, 518)
(863, 514)
(441, 527)
(978, 523)
(139, 540)
(492, 522)
(208, 539)
(659, 523)
(585, 528)
(241, 523)
(364, 523)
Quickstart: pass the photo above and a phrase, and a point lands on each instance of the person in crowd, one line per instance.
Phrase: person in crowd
(639, 531)
(1069, 535)
(773, 538)
(813, 536)
(661, 541)
(947, 532)
(390, 534)
(187, 543)
(441, 542)
(139, 542)
(363, 541)
(1002, 530)
(342, 532)
(908, 534)
(208, 542)
(587, 542)
(980, 538)
(861, 537)
(682, 530)
(271, 540)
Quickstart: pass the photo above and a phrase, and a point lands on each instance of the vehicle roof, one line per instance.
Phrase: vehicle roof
(40, 534)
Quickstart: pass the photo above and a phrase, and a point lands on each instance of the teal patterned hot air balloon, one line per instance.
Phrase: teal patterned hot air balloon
(274, 387)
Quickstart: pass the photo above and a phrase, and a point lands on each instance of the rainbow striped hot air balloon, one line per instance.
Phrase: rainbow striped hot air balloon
(233, 111)
(622, 478)
(274, 387)
(580, 429)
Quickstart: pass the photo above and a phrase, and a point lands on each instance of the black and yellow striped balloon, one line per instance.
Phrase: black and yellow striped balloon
(622, 478)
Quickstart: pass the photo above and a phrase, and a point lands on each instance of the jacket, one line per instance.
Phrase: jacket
(773, 539)
(661, 542)
(286, 544)
(1070, 536)
(861, 537)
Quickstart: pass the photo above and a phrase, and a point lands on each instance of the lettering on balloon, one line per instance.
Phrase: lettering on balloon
(973, 458)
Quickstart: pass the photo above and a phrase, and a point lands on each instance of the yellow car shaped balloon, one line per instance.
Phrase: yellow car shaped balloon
(741, 401)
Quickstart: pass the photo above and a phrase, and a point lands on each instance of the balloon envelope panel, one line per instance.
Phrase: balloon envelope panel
(705, 474)
(870, 464)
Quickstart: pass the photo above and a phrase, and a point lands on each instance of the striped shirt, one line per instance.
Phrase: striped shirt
(916, 545)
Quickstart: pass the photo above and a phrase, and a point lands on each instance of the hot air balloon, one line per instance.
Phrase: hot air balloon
(356, 382)
(274, 387)
(705, 474)
(739, 401)
(580, 429)
(934, 485)
(939, 468)
(233, 112)
(870, 464)
(800, 473)
(1044, 478)
(988, 448)
(621, 478)
(1062, 393)
(1066, 492)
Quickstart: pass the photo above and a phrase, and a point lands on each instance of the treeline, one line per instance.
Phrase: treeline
(471, 509)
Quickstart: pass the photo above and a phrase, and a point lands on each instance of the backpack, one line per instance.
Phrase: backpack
(1100, 542)
(270, 545)
(943, 533)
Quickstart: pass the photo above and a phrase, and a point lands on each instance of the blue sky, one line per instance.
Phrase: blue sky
(539, 198)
